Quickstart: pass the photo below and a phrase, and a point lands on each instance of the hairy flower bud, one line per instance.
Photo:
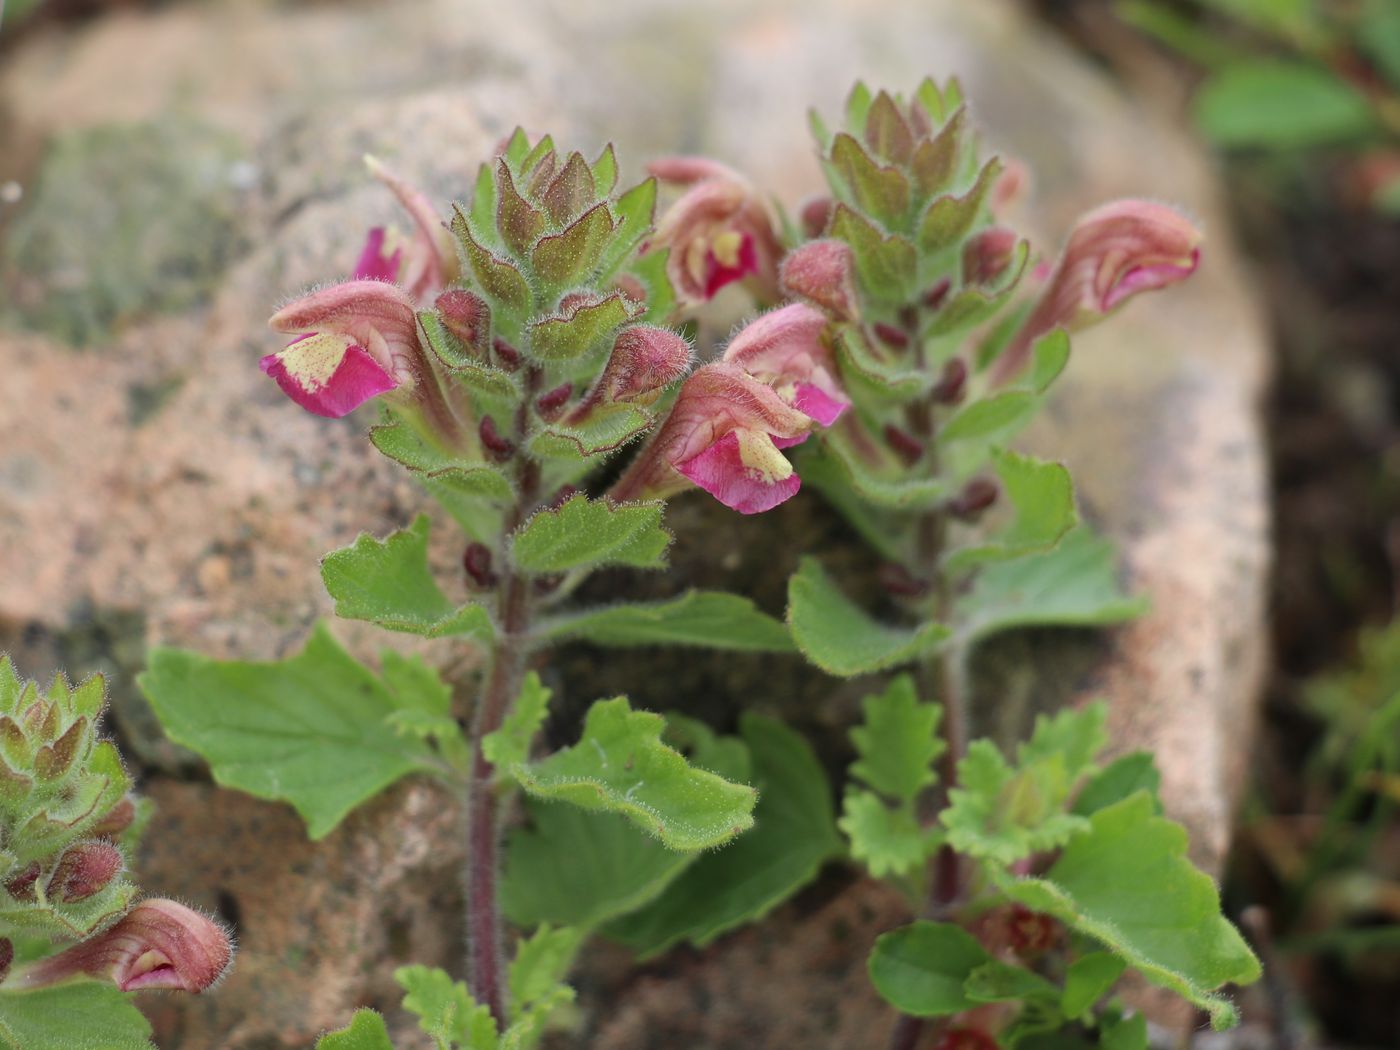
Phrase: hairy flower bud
(467, 316)
(644, 362)
(497, 444)
(814, 214)
(117, 820)
(157, 944)
(987, 255)
(1113, 253)
(83, 870)
(822, 272)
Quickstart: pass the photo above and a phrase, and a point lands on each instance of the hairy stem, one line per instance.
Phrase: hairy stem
(486, 963)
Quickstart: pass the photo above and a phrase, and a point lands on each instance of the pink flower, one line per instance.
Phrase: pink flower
(361, 340)
(784, 348)
(424, 265)
(718, 231)
(1113, 253)
(723, 434)
(823, 273)
(644, 361)
(158, 944)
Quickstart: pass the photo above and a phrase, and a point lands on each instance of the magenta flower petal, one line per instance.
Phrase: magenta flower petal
(742, 474)
(327, 374)
(375, 264)
(718, 231)
(811, 400)
(158, 944)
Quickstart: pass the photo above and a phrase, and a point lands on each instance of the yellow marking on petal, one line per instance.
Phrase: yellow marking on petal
(726, 248)
(313, 360)
(762, 458)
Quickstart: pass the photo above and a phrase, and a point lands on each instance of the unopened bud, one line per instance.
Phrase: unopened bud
(21, 886)
(898, 580)
(905, 445)
(644, 361)
(507, 356)
(550, 404)
(891, 336)
(83, 870)
(476, 560)
(952, 383)
(987, 255)
(117, 820)
(815, 214)
(977, 495)
(466, 316)
(933, 298)
(822, 272)
(497, 444)
(1032, 933)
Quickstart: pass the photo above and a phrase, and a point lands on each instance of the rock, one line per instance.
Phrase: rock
(164, 481)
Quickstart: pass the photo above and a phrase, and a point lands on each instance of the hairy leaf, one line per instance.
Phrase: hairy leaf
(570, 867)
(921, 969)
(541, 963)
(585, 534)
(794, 834)
(608, 427)
(445, 1009)
(1122, 777)
(842, 639)
(388, 582)
(887, 840)
(898, 742)
(81, 1015)
(620, 765)
(1128, 884)
(510, 745)
(707, 618)
(1042, 499)
(309, 730)
(1073, 584)
(1087, 980)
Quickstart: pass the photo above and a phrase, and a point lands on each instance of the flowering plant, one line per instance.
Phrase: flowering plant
(528, 373)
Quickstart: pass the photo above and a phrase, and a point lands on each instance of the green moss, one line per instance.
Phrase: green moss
(123, 220)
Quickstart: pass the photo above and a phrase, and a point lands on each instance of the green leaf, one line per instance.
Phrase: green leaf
(1087, 980)
(1275, 104)
(585, 329)
(510, 745)
(473, 493)
(1073, 584)
(620, 765)
(1379, 36)
(879, 191)
(308, 730)
(1072, 737)
(898, 743)
(992, 417)
(607, 428)
(634, 213)
(425, 705)
(949, 219)
(1127, 883)
(541, 963)
(1041, 495)
(445, 1009)
(999, 982)
(885, 263)
(894, 380)
(842, 639)
(570, 867)
(500, 279)
(81, 1015)
(1124, 1033)
(794, 835)
(572, 255)
(584, 534)
(650, 270)
(1004, 814)
(388, 582)
(605, 171)
(706, 618)
(921, 969)
(887, 840)
(1124, 776)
